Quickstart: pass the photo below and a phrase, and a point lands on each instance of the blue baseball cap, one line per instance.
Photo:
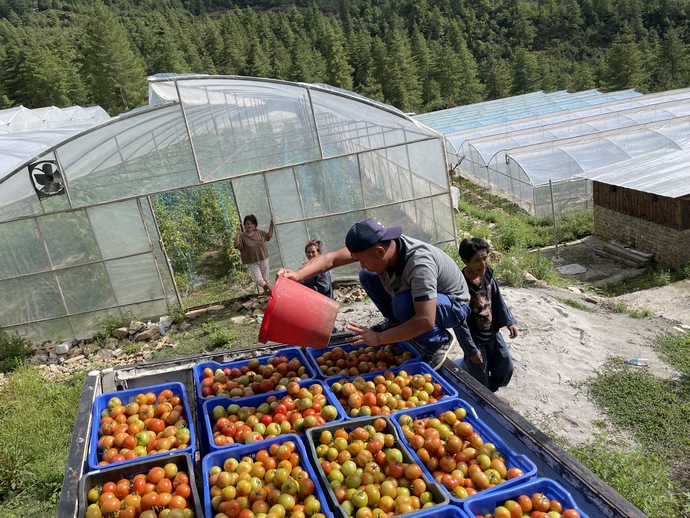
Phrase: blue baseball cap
(368, 233)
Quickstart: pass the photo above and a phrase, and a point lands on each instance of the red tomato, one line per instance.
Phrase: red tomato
(149, 500)
(183, 490)
(570, 513)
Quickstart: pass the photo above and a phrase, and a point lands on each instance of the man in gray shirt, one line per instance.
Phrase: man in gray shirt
(416, 286)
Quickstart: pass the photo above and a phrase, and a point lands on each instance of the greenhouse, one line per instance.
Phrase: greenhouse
(79, 232)
(540, 161)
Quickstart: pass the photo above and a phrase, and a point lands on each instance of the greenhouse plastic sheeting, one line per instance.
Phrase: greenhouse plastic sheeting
(313, 158)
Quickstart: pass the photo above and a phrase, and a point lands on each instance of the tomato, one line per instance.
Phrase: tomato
(570, 513)
(93, 494)
(164, 486)
(128, 512)
(123, 488)
(183, 490)
(525, 502)
(110, 505)
(540, 502)
(501, 512)
(93, 511)
(109, 487)
(177, 502)
(165, 396)
(156, 474)
(149, 500)
(514, 507)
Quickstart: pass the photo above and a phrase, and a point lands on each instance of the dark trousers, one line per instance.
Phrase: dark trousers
(449, 311)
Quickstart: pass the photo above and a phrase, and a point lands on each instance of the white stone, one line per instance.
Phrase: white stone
(571, 269)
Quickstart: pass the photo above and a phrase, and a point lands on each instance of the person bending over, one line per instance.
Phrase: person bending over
(416, 286)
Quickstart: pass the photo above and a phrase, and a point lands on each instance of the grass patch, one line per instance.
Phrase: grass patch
(575, 304)
(209, 336)
(655, 412)
(654, 275)
(630, 471)
(216, 291)
(36, 422)
(674, 350)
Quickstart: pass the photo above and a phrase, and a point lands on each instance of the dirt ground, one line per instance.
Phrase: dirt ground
(559, 347)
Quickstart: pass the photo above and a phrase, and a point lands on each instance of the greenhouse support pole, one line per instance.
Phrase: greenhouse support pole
(553, 216)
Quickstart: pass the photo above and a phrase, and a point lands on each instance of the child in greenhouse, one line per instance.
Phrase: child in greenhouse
(322, 281)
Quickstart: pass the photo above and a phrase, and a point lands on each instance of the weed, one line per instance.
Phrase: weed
(110, 322)
(509, 272)
(617, 306)
(574, 304)
(131, 348)
(14, 350)
(217, 336)
(674, 350)
(662, 278)
(640, 313)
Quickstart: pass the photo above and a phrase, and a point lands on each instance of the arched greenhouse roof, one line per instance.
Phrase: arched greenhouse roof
(80, 235)
(563, 159)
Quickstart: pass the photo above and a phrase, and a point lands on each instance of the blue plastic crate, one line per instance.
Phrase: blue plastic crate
(97, 478)
(312, 440)
(486, 502)
(313, 355)
(101, 403)
(513, 460)
(412, 368)
(289, 353)
(206, 430)
(218, 458)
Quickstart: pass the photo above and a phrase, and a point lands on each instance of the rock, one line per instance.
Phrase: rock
(105, 354)
(191, 315)
(63, 348)
(120, 333)
(111, 343)
(86, 336)
(117, 353)
(147, 334)
(571, 269)
(74, 360)
(236, 306)
(90, 348)
(135, 326)
(529, 278)
(74, 351)
(165, 322)
(238, 320)
(185, 326)
(574, 289)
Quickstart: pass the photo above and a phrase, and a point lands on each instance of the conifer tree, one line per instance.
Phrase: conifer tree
(113, 74)
(338, 70)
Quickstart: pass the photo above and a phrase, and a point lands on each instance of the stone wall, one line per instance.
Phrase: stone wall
(670, 246)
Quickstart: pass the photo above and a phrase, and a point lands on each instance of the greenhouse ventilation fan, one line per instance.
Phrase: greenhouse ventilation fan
(47, 178)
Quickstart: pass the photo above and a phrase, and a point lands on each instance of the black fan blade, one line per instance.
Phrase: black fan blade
(40, 178)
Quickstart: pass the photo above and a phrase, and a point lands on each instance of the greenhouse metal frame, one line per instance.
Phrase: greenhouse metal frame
(81, 236)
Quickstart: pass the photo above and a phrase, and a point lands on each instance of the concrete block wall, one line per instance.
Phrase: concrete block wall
(671, 247)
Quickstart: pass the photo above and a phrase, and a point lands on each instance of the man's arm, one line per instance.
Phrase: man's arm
(422, 321)
(319, 264)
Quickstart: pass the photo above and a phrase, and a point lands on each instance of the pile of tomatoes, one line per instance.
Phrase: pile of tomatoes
(386, 393)
(163, 492)
(538, 505)
(368, 474)
(146, 425)
(269, 483)
(300, 409)
(361, 360)
(455, 454)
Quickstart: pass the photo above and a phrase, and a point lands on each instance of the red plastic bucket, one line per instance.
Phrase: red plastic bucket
(298, 315)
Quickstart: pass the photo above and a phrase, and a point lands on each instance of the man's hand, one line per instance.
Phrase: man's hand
(477, 358)
(288, 274)
(363, 335)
